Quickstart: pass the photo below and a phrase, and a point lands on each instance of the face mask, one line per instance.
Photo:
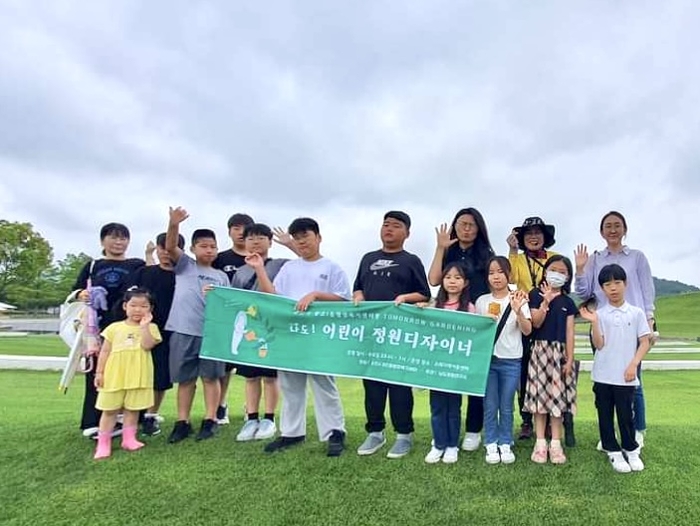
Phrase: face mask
(555, 279)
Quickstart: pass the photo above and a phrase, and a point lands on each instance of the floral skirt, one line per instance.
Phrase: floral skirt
(548, 389)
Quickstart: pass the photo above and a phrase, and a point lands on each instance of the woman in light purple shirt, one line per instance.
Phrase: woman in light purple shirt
(640, 286)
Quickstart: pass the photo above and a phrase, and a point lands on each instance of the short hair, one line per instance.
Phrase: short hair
(400, 216)
(502, 263)
(160, 240)
(303, 224)
(612, 272)
(202, 233)
(138, 292)
(114, 229)
(257, 229)
(616, 214)
(240, 220)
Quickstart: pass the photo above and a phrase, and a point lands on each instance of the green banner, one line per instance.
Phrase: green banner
(430, 348)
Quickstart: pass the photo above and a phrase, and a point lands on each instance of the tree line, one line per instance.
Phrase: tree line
(29, 277)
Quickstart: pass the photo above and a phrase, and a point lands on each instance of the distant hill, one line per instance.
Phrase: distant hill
(665, 287)
(678, 316)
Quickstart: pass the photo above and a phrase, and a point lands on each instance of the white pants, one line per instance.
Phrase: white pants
(327, 404)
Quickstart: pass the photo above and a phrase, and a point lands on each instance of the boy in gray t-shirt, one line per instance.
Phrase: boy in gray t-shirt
(186, 321)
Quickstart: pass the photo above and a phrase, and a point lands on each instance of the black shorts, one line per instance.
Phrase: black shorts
(161, 368)
(251, 371)
(185, 363)
(229, 367)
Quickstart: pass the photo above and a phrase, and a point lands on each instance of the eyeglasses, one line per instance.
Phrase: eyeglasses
(465, 225)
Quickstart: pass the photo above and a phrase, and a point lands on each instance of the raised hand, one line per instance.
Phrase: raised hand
(150, 248)
(282, 237)
(517, 300)
(443, 237)
(580, 257)
(255, 260)
(547, 292)
(146, 319)
(588, 315)
(512, 241)
(178, 215)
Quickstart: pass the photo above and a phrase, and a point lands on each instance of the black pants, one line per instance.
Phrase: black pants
(610, 399)
(400, 406)
(524, 364)
(91, 415)
(475, 414)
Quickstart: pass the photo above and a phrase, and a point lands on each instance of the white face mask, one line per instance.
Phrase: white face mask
(556, 279)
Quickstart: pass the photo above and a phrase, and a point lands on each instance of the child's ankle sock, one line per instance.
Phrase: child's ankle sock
(129, 441)
(270, 416)
(253, 416)
(104, 445)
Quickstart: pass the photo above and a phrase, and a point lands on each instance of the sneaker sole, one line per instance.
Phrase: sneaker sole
(493, 461)
(367, 452)
(259, 436)
(245, 439)
(449, 460)
(470, 448)
(396, 455)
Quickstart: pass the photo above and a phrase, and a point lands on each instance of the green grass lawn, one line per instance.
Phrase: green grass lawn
(679, 315)
(49, 476)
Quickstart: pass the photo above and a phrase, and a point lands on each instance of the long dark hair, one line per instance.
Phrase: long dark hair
(566, 289)
(464, 299)
(482, 244)
(503, 264)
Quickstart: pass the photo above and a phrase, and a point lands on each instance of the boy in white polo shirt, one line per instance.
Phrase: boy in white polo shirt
(620, 333)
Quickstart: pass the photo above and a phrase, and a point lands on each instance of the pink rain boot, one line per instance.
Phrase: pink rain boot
(129, 441)
(104, 445)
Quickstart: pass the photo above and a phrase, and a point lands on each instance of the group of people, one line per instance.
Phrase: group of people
(152, 333)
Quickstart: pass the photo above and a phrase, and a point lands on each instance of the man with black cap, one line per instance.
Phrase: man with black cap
(390, 274)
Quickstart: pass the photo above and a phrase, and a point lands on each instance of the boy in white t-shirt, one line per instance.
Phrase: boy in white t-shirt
(310, 278)
(620, 333)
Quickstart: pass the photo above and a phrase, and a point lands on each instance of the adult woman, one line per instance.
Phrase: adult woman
(466, 242)
(112, 272)
(534, 237)
(640, 287)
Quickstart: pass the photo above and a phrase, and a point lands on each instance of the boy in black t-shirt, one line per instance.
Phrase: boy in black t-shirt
(230, 261)
(159, 280)
(390, 274)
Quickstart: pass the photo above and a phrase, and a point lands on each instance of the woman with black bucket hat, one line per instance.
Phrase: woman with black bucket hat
(533, 237)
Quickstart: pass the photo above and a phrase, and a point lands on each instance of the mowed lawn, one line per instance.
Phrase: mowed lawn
(49, 476)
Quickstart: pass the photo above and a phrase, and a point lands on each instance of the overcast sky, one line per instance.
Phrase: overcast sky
(112, 111)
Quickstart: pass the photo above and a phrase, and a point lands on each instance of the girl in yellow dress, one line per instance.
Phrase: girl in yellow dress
(124, 372)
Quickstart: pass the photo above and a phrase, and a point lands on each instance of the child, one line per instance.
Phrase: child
(159, 280)
(534, 237)
(186, 321)
(112, 272)
(258, 240)
(551, 385)
(390, 274)
(620, 334)
(446, 408)
(511, 312)
(124, 372)
(310, 278)
(230, 261)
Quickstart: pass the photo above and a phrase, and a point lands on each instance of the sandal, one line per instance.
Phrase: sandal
(556, 455)
(539, 455)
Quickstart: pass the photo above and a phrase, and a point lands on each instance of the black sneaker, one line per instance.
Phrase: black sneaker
(336, 443)
(207, 430)
(525, 431)
(282, 443)
(150, 427)
(180, 432)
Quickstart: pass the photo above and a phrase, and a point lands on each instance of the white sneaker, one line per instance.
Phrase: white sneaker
(471, 441)
(266, 429)
(248, 430)
(90, 432)
(492, 455)
(618, 462)
(599, 447)
(634, 461)
(507, 456)
(434, 455)
(451, 455)
(639, 438)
